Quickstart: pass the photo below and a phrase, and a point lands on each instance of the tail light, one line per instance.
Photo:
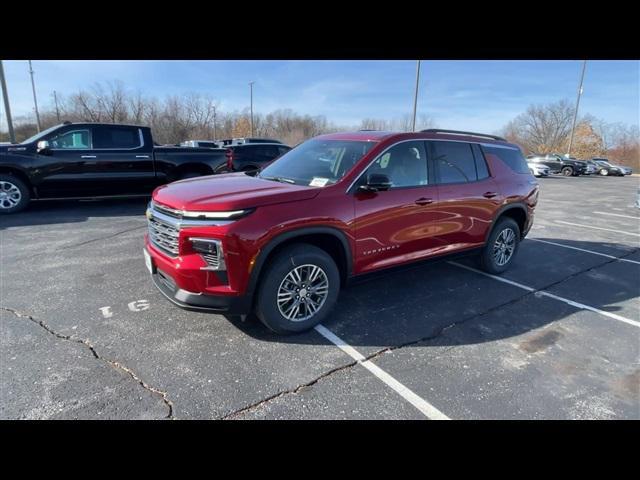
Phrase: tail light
(229, 155)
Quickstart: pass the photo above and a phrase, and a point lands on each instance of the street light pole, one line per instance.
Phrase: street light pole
(215, 137)
(415, 97)
(35, 100)
(251, 108)
(575, 114)
(7, 109)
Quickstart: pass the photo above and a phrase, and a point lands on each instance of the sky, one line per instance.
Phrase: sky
(474, 95)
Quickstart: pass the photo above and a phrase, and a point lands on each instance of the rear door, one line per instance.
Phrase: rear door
(468, 195)
(398, 225)
(124, 161)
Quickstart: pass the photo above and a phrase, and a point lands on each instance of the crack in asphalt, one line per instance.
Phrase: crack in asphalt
(112, 363)
(441, 331)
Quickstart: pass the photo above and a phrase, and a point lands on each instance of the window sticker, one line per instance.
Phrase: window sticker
(384, 161)
(318, 182)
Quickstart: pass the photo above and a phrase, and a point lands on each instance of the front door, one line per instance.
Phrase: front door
(398, 225)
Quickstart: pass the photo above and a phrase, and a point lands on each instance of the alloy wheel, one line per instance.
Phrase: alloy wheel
(10, 195)
(303, 292)
(504, 247)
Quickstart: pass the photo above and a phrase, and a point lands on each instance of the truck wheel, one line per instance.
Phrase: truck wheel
(567, 171)
(186, 175)
(501, 247)
(14, 194)
(299, 289)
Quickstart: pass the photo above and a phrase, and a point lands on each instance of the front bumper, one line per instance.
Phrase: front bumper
(171, 283)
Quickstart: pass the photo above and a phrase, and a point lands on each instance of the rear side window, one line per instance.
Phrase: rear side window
(511, 156)
(283, 150)
(454, 162)
(481, 164)
(116, 137)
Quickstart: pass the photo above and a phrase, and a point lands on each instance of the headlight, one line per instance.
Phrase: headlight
(216, 215)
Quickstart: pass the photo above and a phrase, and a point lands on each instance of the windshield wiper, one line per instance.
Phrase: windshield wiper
(280, 179)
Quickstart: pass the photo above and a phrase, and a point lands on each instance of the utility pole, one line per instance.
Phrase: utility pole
(55, 100)
(575, 114)
(5, 96)
(251, 108)
(415, 97)
(215, 137)
(35, 100)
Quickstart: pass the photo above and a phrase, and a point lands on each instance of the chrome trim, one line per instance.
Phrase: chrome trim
(220, 215)
(88, 156)
(181, 223)
(140, 136)
(215, 261)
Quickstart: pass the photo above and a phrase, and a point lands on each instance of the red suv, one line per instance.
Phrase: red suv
(339, 206)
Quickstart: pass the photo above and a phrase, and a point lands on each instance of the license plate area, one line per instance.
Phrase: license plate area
(147, 261)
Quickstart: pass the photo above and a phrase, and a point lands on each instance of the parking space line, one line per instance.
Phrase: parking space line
(420, 403)
(551, 295)
(618, 215)
(598, 228)
(584, 250)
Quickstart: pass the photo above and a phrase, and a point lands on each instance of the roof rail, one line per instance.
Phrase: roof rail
(460, 132)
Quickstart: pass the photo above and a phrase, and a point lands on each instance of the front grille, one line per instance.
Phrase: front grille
(164, 236)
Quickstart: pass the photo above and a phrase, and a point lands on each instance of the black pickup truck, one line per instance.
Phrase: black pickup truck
(80, 160)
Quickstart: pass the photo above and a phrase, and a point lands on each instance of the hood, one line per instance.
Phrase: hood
(234, 191)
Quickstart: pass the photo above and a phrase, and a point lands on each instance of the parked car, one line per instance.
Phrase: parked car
(89, 160)
(201, 144)
(559, 164)
(251, 156)
(538, 170)
(605, 168)
(334, 209)
(604, 162)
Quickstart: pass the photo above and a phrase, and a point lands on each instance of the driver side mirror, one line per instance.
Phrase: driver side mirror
(43, 147)
(376, 182)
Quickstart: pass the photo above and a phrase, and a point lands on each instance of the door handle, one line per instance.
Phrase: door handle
(88, 156)
(142, 156)
(424, 201)
(489, 194)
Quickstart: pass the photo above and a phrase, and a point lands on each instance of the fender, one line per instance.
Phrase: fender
(298, 232)
(503, 209)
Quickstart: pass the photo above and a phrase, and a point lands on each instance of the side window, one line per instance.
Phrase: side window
(454, 162)
(283, 150)
(481, 164)
(405, 164)
(73, 140)
(511, 156)
(116, 138)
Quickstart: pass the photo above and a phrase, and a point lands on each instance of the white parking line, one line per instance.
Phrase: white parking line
(584, 250)
(617, 215)
(551, 295)
(420, 403)
(598, 228)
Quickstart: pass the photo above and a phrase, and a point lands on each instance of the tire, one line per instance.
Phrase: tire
(488, 261)
(14, 194)
(604, 172)
(567, 171)
(279, 273)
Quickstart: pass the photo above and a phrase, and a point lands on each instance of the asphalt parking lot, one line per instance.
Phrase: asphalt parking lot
(84, 334)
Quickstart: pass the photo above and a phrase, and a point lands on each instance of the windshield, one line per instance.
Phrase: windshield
(37, 136)
(317, 162)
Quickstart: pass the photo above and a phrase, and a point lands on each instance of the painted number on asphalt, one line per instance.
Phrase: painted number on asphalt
(135, 306)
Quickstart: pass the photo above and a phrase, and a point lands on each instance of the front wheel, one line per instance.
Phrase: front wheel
(300, 288)
(501, 247)
(604, 172)
(14, 194)
(567, 171)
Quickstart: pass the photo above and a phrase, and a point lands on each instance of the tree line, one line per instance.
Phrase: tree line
(194, 116)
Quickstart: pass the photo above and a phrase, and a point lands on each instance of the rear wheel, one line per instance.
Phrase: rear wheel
(567, 171)
(14, 194)
(501, 247)
(186, 175)
(300, 288)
